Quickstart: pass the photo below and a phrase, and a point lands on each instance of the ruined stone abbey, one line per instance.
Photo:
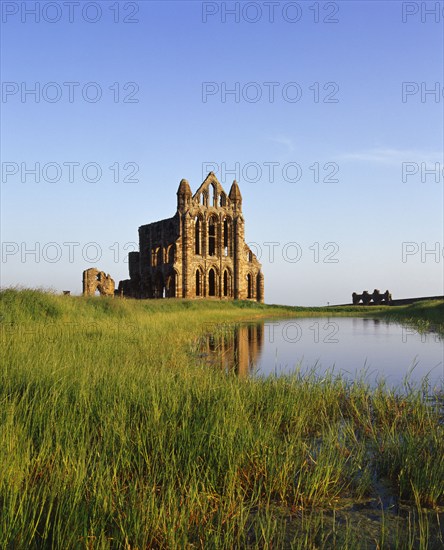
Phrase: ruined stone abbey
(198, 253)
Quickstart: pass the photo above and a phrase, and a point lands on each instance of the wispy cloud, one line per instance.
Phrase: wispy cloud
(393, 156)
(285, 141)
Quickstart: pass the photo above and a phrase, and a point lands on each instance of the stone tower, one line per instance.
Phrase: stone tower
(198, 253)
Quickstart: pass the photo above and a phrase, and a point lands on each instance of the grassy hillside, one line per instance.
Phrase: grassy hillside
(112, 436)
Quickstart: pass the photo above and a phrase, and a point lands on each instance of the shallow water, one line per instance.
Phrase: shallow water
(350, 346)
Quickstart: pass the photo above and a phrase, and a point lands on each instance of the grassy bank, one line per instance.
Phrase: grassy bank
(111, 436)
(426, 315)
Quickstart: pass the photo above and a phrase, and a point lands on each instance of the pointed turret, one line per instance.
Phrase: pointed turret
(183, 195)
(235, 195)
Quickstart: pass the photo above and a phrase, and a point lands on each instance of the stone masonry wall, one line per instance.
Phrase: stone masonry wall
(198, 253)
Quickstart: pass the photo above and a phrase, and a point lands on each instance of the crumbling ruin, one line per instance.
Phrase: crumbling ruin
(198, 253)
(376, 298)
(95, 280)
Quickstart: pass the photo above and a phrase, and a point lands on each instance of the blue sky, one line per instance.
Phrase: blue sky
(350, 132)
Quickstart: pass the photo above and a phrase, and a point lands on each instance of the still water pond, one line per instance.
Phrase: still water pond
(349, 346)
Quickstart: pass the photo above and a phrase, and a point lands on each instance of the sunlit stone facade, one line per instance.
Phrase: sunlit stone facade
(198, 253)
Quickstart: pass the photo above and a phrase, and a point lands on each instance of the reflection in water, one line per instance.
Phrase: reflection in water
(234, 348)
(349, 346)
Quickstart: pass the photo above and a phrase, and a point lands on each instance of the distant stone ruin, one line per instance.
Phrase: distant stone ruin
(95, 280)
(369, 299)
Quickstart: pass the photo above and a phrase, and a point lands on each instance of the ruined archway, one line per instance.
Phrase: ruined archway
(227, 247)
(97, 281)
(259, 287)
(249, 286)
(198, 235)
(171, 254)
(212, 236)
(199, 283)
(171, 285)
(211, 282)
(159, 286)
(227, 284)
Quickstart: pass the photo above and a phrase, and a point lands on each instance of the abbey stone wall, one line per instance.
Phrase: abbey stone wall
(198, 253)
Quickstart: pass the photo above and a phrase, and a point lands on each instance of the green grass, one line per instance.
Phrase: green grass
(425, 315)
(112, 436)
